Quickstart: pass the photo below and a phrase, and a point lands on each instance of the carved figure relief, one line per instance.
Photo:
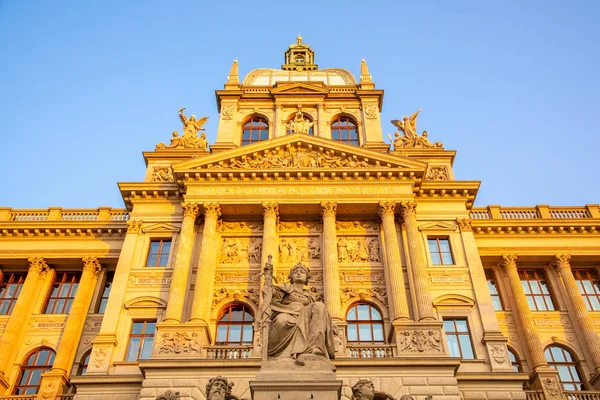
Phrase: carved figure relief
(551, 387)
(298, 157)
(190, 139)
(99, 356)
(300, 249)
(358, 250)
(179, 342)
(235, 251)
(498, 354)
(439, 173)
(371, 111)
(420, 341)
(162, 174)
(408, 126)
(227, 112)
(224, 226)
(299, 124)
(218, 388)
(378, 293)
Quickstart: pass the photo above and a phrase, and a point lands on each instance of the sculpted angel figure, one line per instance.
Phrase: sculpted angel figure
(408, 125)
(301, 326)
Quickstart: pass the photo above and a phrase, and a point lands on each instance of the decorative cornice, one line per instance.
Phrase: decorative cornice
(18, 232)
(38, 265)
(534, 227)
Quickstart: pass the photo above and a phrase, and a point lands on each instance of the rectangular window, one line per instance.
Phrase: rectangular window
(158, 255)
(536, 289)
(589, 287)
(439, 249)
(459, 339)
(493, 287)
(141, 340)
(63, 292)
(105, 292)
(10, 287)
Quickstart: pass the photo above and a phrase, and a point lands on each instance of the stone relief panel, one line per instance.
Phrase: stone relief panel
(420, 341)
(241, 250)
(299, 226)
(162, 174)
(358, 249)
(439, 173)
(357, 226)
(179, 342)
(299, 249)
(234, 226)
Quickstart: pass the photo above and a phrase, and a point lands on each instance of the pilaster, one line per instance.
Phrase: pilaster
(331, 269)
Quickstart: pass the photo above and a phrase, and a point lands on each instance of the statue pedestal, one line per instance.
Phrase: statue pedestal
(285, 380)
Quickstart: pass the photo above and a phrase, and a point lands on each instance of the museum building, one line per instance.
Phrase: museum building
(427, 296)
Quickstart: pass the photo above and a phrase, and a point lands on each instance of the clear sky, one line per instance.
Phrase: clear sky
(86, 86)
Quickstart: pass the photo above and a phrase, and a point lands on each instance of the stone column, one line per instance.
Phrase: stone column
(393, 262)
(321, 124)
(55, 380)
(269, 241)
(205, 278)
(417, 261)
(331, 272)
(183, 258)
(17, 322)
(533, 341)
(277, 125)
(584, 321)
(106, 340)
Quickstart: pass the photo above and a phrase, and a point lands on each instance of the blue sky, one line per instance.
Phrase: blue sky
(86, 86)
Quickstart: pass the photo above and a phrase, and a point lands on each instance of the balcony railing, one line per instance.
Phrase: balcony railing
(229, 352)
(583, 395)
(59, 214)
(534, 395)
(34, 397)
(537, 212)
(370, 351)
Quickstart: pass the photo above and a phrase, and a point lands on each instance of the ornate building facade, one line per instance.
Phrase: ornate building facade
(430, 296)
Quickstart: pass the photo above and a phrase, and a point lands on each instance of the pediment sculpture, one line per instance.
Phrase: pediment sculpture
(297, 157)
(299, 124)
(408, 126)
(190, 139)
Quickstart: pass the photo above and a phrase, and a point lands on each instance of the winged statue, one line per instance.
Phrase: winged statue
(191, 125)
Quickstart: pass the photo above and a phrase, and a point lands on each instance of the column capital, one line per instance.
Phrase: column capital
(328, 208)
(134, 226)
(212, 210)
(561, 261)
(386, 208)
(270, 209)
(190, 209)
(408, 208)
(464, 224)
(92, 264)
(38, 264)
(320, 106)
(508, 261)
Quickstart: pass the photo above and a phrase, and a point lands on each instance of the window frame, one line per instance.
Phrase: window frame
(68, 300)
(29, 367)
(592, 276)
(84, 363)
(490, 275)
(143, 337)
(347, 128)
(228, 310)
(458, 334)
(248, 126)
(159, 255)
(370, 322)
(573, 364)
(439, 252)
(523, 277)
(4, 285)
(101, 303)
(515, 360)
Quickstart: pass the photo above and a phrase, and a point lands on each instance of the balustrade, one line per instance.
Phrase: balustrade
(518, 213)
(372, 351)
(480, 213)
(24, 216)
(229, 352)
(582, 395)
(534, 395)
(57, 214)
(569, 213)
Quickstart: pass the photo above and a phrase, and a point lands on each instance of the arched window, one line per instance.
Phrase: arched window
(256, 129)
(83, 364)
(299, 123)
(365, 324)
(514, 360)
(31, 370)
(344, 129)
(562, 360)
(235, 326)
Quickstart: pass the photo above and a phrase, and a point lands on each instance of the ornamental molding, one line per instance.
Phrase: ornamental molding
(551, 320)
(237, 278)
(299, 226)
(161, 228)
(377, 293)
(149, 280)
(179, 342)
(448, 279)
(242, 227)
(222, 294)
(55, 233)
(438, 226)
(357, 226)
(361, 277)
(542, 229)
(420, 341)
(453, 301)
(145, 302)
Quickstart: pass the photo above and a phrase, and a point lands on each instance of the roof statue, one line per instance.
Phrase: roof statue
(408, 126)
(190, 139)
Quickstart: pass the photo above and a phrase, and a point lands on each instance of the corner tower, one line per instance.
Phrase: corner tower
(269, 103)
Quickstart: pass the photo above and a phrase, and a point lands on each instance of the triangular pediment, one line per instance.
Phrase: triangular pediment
(160, 228)
(301, 152)
(299, 87)
(438, 226)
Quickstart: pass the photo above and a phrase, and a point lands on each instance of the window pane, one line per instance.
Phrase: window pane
(535, 287)
(549, 303)
(432, 245)
(147, 348)
(453, 348)
(364, 332)
(363, 312)
(449, 326)
(447, 258)
(247, 335)
(221, 333)
(444, 245)
(150, 327)
(134, 347)
(531, 303)
(588, 286)
(375, 314)
(539, 302)
(164, 260)
(352, 333)
(557, 354)
(435, 259)
(465, 345)
(235, 333)
(563, 373)
(595, 303)
(35, 377)
(352, 314)
(525, 286)
(60, 306)
(377, 332)
(461, 325)
(236, 314)
(497, 303)
(137, 328)
(151, 260)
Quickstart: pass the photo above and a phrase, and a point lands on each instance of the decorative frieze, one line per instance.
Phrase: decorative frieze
(226, 226)
(149, 280)
(63, 233)
(237, 278)
(356, 225)
(241, 250)
(420, 341)
(299, 226)
(294, 250)
(356, 250)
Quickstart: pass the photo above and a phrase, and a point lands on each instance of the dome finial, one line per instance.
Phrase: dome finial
(299, 39)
